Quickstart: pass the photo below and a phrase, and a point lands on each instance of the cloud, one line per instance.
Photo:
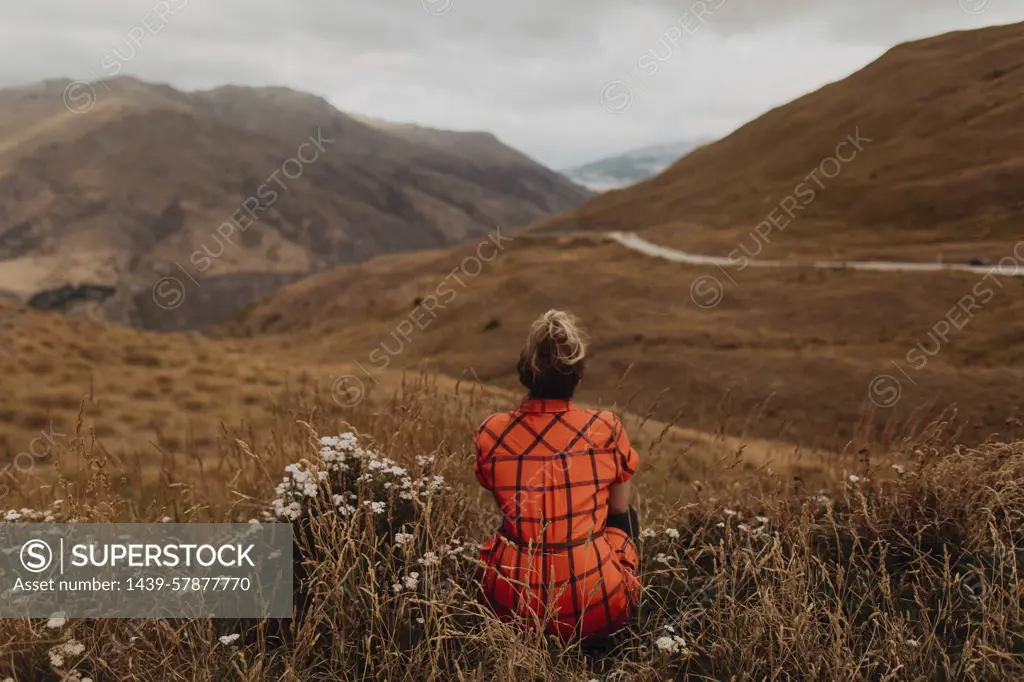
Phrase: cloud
(531, 71)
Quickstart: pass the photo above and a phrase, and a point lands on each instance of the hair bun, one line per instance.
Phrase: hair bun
(553, 353)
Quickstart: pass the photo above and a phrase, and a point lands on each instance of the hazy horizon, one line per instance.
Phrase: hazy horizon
(589, 81)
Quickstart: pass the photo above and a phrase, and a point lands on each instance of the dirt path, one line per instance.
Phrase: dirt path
(636, 243)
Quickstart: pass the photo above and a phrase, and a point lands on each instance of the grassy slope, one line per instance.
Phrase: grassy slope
(160, 403)
(793, 350)
(909, 572)
(940, 176)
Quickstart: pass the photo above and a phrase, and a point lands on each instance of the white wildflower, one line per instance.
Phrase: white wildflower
(412, 580)
(647, 533)
(665, 643)
(420, 621)
(720, 524)
(228, 639)
(671, 645)
(854, 478)
(402, 538)
(914, 643)
(429, 559)
(68, 648)
(729, 512)
(672, 533)
(762, 519)
(56, 621)
(899, 468)
(73, 648)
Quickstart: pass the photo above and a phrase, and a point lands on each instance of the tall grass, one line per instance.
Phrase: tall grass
(905, 568)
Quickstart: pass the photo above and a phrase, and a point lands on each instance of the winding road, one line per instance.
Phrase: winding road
(636, 243)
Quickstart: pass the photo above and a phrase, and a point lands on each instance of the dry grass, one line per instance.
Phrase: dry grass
(158, 402)
(906, 573)
(797, 348)
(943, 115)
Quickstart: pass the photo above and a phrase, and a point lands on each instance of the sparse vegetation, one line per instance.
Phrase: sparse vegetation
(894, 565)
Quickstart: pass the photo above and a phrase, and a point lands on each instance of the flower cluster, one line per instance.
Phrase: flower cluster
(671, 644)
(409, 582)
(663, 558)
(227, 640)
(343, 459)
(32, 515)
(452, 550)
(69, 649)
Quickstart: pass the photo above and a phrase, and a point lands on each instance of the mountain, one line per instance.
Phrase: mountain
(782, 353)
(940, 127)
(614, 172)
(193, 204)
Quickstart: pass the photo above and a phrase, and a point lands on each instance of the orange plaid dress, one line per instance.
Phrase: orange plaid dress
(553, 562)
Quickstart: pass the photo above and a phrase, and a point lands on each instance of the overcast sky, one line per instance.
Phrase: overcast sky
(566, 81)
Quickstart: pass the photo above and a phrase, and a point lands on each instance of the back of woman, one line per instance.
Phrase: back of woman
(554, 469)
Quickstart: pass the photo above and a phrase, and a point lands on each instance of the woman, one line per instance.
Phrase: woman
(564, 557)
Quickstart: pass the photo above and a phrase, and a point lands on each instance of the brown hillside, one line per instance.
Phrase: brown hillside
(162, 404)
(126, 192)
(941, 175)
(786, 354)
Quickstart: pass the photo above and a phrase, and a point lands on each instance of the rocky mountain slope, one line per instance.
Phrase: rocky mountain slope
(193, 204)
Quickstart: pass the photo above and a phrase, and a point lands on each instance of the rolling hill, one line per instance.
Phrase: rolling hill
(142, 187)
(938, 174)
(789, 354)
(783, 354)
(162, 406)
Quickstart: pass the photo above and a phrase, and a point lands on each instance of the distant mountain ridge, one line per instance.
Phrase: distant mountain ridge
(126, 183)
(614, 172)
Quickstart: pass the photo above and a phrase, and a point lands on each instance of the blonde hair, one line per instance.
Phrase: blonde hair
(556, 341)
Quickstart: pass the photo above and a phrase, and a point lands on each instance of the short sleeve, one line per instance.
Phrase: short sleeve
(627, 458)
(484, 454)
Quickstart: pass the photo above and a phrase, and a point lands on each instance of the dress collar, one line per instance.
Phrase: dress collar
(546, 406)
